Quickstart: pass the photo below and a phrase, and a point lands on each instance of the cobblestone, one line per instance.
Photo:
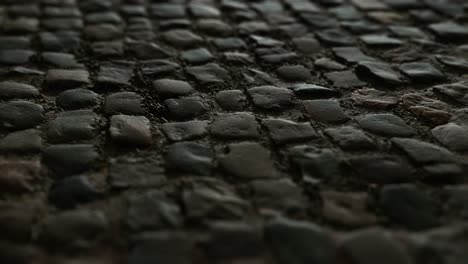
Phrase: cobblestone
(233, 131)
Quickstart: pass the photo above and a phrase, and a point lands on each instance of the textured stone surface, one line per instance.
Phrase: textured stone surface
(16, 115)
(190, 158)
(233, 131)
(325, 111)
(385, 124)
(238, 162)
(238, 125)
(130, 130)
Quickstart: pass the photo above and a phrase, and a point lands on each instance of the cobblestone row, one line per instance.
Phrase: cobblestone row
(233, 131)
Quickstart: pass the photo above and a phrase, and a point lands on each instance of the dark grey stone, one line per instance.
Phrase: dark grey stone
(17, 115)
(190, 158)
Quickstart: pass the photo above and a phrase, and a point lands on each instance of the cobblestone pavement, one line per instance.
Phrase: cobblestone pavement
(233, 131)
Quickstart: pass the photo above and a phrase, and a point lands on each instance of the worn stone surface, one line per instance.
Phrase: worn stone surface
(17, 90)
(382, 169)
(350, 138)
(233, 131)
(17, 115)
(285, 131)
(408, 206)
(347, 209)
(130, 130)
(237, 161)
(385, 124)
(181, 131)
(270, 97)
(325, 111)
(190, 158)
(73, 126)
(237, 125)
(167, 88)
